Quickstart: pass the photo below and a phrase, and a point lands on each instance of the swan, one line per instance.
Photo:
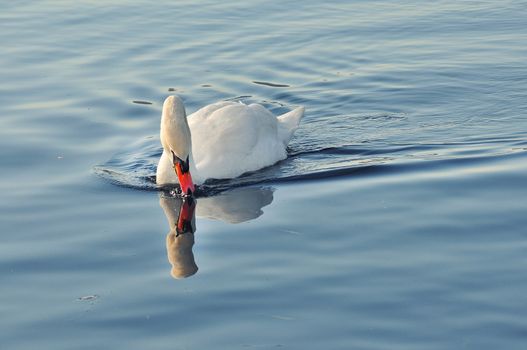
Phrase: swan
(222, 140)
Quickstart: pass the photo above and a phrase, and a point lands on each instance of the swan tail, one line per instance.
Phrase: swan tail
(288, 123)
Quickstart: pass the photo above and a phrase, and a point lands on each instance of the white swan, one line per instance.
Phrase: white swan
(222, 140)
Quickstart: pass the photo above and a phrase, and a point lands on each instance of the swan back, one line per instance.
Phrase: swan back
(231, 138)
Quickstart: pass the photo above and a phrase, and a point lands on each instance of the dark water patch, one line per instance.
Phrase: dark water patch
(270, 84)
(238, 98)
(139, 102)
(276, 103)
(88, 298)
(384, 117)
(350, 150)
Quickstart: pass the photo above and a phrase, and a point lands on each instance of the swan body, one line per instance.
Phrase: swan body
(222, 140)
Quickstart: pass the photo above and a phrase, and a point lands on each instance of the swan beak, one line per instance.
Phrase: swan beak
(185, 180)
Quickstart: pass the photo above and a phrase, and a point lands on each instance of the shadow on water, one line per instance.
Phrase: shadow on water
(235, 206)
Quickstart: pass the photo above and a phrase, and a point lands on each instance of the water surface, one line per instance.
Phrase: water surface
(397, 221)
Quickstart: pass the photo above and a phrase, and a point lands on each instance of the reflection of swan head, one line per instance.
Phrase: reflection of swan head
(180, 256)
(181, 219)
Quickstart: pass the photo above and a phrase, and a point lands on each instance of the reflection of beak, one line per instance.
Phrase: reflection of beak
(186, 216)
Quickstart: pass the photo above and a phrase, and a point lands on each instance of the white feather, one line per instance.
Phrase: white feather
(229, 139)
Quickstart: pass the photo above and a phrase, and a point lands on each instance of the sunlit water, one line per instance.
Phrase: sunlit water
(397, 221)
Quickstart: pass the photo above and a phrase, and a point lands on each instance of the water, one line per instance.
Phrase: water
(398, 220)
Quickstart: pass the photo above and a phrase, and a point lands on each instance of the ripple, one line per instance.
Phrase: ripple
(135, 167)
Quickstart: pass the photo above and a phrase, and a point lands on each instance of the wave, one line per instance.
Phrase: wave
(135, 167)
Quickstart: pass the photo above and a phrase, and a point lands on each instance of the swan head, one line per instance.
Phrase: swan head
(176, 141)
(173, 107)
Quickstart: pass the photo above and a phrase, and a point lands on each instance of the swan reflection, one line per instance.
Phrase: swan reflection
(182, 222)
(236, 206)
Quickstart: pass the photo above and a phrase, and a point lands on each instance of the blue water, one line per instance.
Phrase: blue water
(397, 221)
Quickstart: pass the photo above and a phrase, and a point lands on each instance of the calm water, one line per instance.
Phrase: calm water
(398, 221)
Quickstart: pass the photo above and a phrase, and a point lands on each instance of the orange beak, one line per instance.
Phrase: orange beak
(185, 181)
